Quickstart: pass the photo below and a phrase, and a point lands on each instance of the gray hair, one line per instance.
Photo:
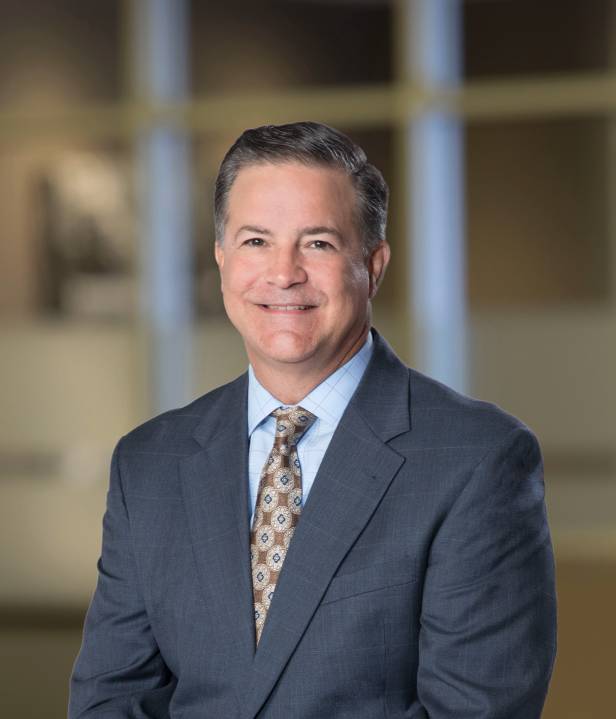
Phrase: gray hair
(312, 144)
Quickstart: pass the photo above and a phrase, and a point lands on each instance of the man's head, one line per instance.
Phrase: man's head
(311, 144)
(300, 254)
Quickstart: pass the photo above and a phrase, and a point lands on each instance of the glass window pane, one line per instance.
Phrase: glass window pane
(54, 53)
(243, 45)
(68, 247)
(69, 360)
(541, 269)
(525, 37)
(538, 212)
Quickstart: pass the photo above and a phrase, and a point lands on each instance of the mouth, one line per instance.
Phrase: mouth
(287, 308)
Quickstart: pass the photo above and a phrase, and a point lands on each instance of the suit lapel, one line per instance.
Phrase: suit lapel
(354, 474)
(215, 492)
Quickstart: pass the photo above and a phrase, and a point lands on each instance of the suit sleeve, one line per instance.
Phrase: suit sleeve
(488, 621)
(119, 672)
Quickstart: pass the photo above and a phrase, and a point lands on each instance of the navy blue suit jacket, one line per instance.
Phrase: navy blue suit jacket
(419, 582)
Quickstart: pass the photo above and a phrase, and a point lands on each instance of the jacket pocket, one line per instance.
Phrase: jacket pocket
(369, 579)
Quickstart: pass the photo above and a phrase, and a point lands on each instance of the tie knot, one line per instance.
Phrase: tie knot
(291, 423)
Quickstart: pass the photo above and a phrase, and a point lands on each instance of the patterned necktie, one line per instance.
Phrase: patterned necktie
(279, 503)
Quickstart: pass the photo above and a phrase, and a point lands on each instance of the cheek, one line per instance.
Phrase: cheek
(344, 287)
(358, 274)
(238, 277)
(338, 279)
(354, 284)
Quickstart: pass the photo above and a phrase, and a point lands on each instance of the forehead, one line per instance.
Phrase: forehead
(292, 189)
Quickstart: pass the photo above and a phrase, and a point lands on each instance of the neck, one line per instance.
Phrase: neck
(290, 383)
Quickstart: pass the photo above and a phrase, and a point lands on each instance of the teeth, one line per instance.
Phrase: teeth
(288, 307)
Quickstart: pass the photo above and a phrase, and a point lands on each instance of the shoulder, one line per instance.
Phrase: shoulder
(174, 431)
(439, 409)
(436, 415)
(462, 444)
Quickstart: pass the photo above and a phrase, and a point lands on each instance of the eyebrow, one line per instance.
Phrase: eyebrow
(254, 228)
(321, 230)
(313, 230)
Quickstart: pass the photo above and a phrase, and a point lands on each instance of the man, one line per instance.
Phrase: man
(332, 535)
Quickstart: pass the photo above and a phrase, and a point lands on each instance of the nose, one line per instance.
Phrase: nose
(286, 268)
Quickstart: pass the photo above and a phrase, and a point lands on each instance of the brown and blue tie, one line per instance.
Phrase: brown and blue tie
(279, 504)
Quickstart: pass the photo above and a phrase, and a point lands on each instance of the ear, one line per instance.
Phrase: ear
(219, 256)
(377, 264)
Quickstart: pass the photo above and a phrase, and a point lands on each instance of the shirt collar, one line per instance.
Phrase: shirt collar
(327, 400)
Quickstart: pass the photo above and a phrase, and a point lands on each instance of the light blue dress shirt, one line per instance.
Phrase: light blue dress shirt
(327, 401)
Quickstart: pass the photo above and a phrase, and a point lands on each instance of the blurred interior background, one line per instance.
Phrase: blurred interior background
(494, 122)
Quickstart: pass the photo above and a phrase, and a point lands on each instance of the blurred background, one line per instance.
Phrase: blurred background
(494, 123)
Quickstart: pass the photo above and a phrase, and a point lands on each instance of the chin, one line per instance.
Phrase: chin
(286, 349)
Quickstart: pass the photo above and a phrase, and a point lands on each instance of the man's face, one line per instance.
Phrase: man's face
(295, 282)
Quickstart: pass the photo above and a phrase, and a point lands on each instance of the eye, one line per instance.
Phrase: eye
(254, 242)
(322, 245)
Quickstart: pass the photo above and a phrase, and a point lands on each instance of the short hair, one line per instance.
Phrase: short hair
(312, 144)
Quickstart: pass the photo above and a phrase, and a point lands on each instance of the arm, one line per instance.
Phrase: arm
(119, 673)
(488, 634)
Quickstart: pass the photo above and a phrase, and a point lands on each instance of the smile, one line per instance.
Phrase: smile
(287, 308)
